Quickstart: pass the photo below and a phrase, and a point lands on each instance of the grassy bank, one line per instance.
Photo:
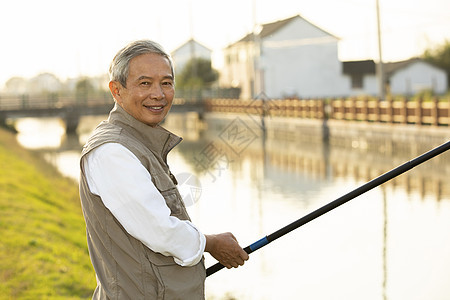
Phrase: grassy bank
(43, 252)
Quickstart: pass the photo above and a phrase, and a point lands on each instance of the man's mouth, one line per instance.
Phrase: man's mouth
(155, 108)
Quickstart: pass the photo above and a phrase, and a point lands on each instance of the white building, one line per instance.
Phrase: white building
(415, 75)
(295, 58)
(407, 77)
(187, 51)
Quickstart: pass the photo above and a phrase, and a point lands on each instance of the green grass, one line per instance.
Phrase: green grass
(43, 252)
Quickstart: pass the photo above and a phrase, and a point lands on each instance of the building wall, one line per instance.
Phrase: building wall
(302, 60)
(183, 54)
(369, 86)
(238, 69)
(299, 60)
(417, 77)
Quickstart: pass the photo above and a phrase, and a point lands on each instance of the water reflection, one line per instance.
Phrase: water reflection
(40, 133)
(345, 254)
(389, 243)
(385, 235)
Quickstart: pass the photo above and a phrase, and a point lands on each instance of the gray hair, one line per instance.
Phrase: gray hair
(120, 66)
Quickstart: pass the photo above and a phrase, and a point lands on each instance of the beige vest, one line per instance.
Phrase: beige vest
(126, 268)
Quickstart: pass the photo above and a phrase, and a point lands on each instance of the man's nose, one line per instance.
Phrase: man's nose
(156, 92)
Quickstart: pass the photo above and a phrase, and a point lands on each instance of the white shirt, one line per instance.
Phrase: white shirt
(116, 175)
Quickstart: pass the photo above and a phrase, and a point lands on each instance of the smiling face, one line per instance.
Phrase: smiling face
(150, 89)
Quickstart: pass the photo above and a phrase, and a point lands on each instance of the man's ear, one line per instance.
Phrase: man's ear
(115, 88)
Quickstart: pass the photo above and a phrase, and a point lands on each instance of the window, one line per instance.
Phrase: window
(357, 81)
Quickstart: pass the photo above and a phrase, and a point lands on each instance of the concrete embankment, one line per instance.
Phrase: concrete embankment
(367, 135)
(359, 149)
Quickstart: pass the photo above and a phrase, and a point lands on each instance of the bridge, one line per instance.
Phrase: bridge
(435, 112)
(71, 109)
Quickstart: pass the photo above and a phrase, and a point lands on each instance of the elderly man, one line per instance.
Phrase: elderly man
(141, 241)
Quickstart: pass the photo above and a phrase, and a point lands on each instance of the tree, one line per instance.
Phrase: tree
(440, 56)
(44, 84)
(16, 85)
(197, 74)
(83, 88)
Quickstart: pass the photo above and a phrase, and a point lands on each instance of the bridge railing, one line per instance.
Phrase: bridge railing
(8, 103)
(14, 103)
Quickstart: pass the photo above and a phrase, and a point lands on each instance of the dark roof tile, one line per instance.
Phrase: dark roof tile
(270, 28)
(359, 67)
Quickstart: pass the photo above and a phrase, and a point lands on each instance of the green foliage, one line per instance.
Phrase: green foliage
(84, 85)
(83, 88)
(198, 73)
(425, 95)
(440, 56)
(43, 252)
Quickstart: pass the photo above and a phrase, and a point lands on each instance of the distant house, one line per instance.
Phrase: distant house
(407, 77)
(295, 58)
(187, 51)
(415, 75)
(291, 57)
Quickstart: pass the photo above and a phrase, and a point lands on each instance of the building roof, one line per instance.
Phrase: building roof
(360, 67)
(187, 43)
(270, 28)
(363, 67)
(392, 67)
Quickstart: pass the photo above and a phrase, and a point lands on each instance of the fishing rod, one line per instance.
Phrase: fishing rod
(338, 202)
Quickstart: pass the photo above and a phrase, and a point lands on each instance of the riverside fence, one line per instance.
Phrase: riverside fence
(434, 112)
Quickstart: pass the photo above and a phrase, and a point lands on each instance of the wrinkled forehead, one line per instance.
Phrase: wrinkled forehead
(150, 65)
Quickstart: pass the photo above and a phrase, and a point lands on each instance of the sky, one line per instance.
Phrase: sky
(80, 38)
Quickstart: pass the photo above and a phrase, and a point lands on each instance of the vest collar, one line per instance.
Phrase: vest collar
(157, 139)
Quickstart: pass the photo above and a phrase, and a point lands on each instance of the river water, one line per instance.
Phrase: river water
(392, 242)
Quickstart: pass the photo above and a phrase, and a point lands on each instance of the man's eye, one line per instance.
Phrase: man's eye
(145, 83)
(167, 83)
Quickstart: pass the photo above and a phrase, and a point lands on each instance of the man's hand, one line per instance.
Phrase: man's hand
(225, 248)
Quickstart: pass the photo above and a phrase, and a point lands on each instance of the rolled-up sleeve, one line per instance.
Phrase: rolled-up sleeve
(116, 175)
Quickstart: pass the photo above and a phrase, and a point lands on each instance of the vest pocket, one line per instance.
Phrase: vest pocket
(169, 191)
(177, 282)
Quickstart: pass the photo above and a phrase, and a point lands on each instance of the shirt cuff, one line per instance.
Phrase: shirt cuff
(192, 261)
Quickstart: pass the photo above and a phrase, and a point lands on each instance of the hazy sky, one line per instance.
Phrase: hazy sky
(72, 38)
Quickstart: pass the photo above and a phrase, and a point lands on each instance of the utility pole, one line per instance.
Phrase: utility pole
(380, 69)
(255, 54)
(257, 71)
(191, 42)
